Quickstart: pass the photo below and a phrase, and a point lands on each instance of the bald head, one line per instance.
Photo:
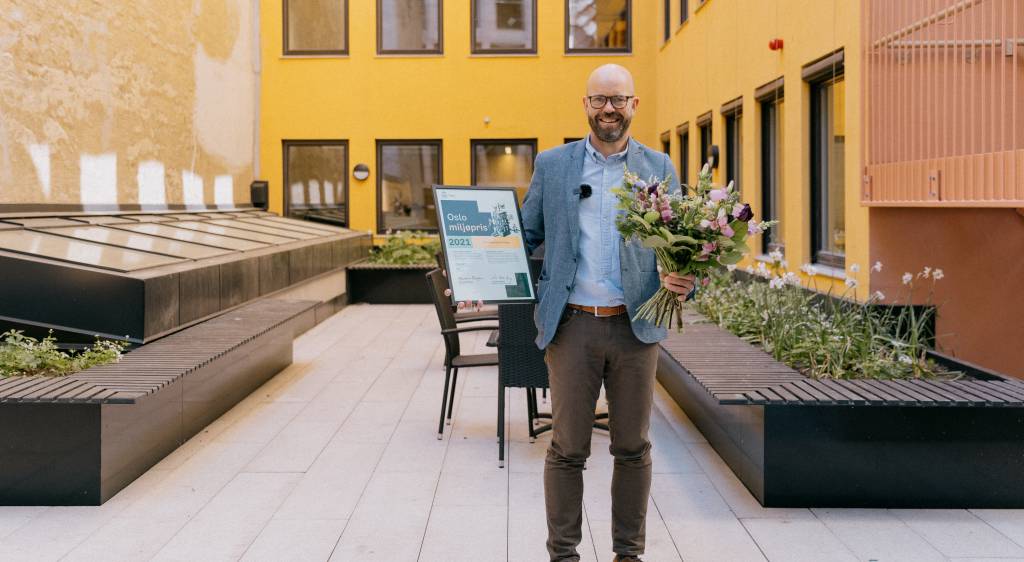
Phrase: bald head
(610, 79)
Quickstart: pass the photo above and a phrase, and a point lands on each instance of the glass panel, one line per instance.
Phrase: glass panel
(684, 158)
(150, 218)
(504, 165)
(142, 242)
(264, 229)
(103, 220)
(503, 25)
(598, 25)
(76, 251)
(734, 148)
(836, 157)
(409, 26)
(43, 222)
(406, 173)
(317, 181)
(771, 172)
(297, 227)
(232, 232)
(193, 236)
(316, 26)
(705, 146)
(302, 225)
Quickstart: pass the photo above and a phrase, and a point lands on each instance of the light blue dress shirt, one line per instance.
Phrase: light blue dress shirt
(598, 275)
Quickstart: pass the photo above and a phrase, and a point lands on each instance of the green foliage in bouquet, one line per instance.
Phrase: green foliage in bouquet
(823, 337)
(690, 233)
(407, 248)
(21, 355)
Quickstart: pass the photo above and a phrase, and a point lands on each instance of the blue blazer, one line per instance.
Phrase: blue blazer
(551, 216)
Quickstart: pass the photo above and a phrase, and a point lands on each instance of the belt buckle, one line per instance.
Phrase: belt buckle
(596, 315)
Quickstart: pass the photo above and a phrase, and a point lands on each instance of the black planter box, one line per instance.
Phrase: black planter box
(894, 452)
(389, 284)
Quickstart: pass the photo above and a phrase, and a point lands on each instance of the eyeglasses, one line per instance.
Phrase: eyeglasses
(618, 102)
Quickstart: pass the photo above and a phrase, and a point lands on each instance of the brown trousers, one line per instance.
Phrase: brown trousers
(586, 352)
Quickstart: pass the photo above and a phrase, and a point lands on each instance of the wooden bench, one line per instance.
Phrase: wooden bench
(800, 442)
(79, 439)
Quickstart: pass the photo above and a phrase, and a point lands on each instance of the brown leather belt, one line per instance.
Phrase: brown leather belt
(600, 311)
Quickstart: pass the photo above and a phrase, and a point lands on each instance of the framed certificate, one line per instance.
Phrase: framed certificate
(483, 244)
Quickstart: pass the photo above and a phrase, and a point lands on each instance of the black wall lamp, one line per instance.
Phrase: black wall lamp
(258, 192)
(361, 172)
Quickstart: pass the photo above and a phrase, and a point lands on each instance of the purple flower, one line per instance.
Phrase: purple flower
(745, 213)
(753, 228)
(716, 195)
(727, 231)
(666, 215)
(708, 247)
(653, 188)
(640, 184)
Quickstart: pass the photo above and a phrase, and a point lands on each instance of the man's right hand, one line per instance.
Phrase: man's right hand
(470, 305)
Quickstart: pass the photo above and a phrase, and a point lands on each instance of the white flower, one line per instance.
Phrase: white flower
(776, 283)
(731, 267)
(791, 278)
(809, 269)
(879, 295)
(854, 268)
(937, 274)
(851, 283)
(907, 278)
(749, 269)
(784, 264)
(924, 273)
(877, 266)
(775, 256)
(906, 359)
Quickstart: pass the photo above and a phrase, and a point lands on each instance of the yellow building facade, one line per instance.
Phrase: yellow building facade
(364, 95)
(449, 99)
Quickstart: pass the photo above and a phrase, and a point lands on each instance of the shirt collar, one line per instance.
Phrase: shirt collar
(596, 155)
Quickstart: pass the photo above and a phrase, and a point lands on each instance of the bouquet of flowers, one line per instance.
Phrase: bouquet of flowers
(690, 232)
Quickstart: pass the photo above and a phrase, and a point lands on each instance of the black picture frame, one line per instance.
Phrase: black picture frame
(531, 281)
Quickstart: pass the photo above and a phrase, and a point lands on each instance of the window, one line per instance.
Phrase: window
(734, 147)
(572, 139)
(666, 142)
(704, 125)
(504, 26)
(828, 166)
(684, 155)
(771, 99)
(316, 176)
(504, 163)
(684, 11)
(598, 26)
(409, 27)
(667, 13)
(315, 27)
(405, 172)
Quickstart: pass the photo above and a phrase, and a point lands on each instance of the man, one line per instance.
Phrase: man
(591, 285)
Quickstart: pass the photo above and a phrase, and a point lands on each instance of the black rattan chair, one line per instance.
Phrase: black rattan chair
(454, 359)
(521, 365)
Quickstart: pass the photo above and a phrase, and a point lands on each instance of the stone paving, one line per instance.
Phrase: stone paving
(336, 458)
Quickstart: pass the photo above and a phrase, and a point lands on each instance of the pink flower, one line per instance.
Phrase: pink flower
(736, 210)
(727, 231)
(753, 228)
(708, 247)
(705, 281)
(666, 215)
(717, 195)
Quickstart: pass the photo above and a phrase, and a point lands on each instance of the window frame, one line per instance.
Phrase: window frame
(472, 35)
(628, 49)
(684, 11)
(683, 135)
(732, 113)
(439, 143)
(286, 187)
(401, 52)
(819, 75)
(285, 51)
(705, 124)
(667, 5)
(473, 143)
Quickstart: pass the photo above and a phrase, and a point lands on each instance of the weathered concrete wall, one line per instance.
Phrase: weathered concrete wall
(148, 103)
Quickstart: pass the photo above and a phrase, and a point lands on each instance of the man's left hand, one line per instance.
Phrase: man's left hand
(681, 284)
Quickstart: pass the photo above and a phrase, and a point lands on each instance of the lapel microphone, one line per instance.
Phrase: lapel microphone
(585, 191)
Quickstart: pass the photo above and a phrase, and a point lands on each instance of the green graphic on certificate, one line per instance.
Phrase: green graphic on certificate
(484, 249)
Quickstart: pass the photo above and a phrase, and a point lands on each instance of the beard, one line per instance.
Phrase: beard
(607, 132)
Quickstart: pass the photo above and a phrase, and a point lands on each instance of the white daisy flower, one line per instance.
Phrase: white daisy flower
(906, 359)
(937, 274)
(855, 268)
(877, 266)
(851, 283)
(879, 295)
(927, 270)
(907, 278)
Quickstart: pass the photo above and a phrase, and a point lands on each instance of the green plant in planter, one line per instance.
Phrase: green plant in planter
(407, 248)
(824, 337)
(21, 355)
